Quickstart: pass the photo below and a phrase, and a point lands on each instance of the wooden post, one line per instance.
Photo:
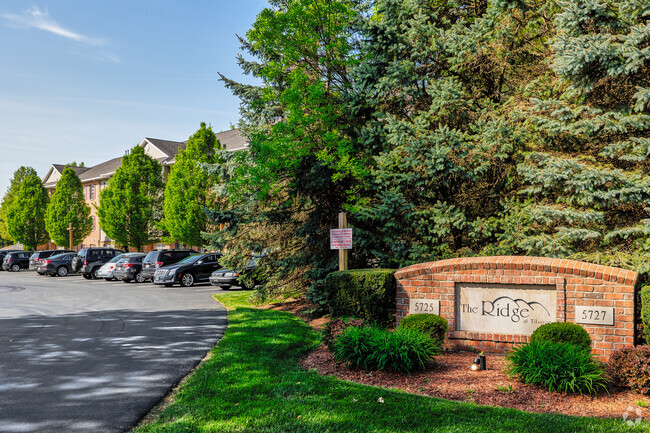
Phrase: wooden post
(70, 229)
(343, 254)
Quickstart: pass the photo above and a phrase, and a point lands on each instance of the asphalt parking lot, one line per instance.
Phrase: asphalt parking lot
(82, 355)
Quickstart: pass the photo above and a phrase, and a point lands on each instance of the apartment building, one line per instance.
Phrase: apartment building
(95, 178)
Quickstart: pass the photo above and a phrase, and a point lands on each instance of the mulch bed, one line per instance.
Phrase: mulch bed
(452, 379)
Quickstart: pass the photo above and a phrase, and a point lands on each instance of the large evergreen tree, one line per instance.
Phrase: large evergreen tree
(444, 79)
(9, 197)
(130, 207)
(188, 191)
(67, 206)
(299, 172)
(587, 166)
(26, 215)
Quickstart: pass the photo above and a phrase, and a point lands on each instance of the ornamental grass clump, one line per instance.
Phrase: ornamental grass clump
(375, 348)
(561, 367)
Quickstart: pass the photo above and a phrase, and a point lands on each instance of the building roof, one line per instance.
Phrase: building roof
(101, 171)
(164, 151)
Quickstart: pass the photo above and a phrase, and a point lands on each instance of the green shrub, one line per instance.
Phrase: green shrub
(337, 325)
(562, 367)
(562, 332)
(630, 367)
(645, 312)
(431, 324)
(375, 348)
(368, 294)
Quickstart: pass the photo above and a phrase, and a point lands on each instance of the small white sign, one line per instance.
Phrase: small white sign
(341, 239)
(424, 306)
(594, 315)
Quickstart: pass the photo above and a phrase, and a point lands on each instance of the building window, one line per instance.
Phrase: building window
(92, 192)
(92, 219)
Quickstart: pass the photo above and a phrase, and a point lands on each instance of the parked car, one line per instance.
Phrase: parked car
(89, 260)
(129, 268)
(42, 255)
(16, 261)
(3, 254)
(106, 270)
(56, 265)
(246, 279)
(158, 258)
(188, 271)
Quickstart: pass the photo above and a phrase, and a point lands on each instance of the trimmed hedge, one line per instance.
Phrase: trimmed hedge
(630, 367)
(562, 332)
(431, 324)
(367, 294)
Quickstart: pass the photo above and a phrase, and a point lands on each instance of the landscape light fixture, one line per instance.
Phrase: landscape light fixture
(479, 363)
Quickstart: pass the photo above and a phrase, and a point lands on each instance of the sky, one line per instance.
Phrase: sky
(85, 81)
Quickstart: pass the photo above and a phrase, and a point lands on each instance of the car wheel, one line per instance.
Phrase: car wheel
(248, 284)
(187, 280)
(62, 271)
(87, 276)
(15, 268)
(93, 273)
(139, 278)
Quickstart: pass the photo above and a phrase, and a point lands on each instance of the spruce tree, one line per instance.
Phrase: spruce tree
(444, 80)
(130, 207)
(67, 206)
(587, 169)
(26, 215)
(188, 191)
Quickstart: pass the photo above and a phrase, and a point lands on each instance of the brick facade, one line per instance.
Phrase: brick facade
(576, 283)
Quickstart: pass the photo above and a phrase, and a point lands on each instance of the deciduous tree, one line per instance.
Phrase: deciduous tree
(130, 207)
(67, 206)
(188, 191)
(9, 197)
(26, 215)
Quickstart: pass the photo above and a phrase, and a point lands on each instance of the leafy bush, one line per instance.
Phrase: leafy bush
(368, 294)
(645, 312)
(374, 348)
(431, 324)
(337, 325)
(562, 367)
(631, 367)
(562, 332)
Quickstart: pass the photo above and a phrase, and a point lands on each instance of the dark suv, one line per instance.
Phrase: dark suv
(158, 258)
(89, 260)
(16, 261)
(42, 255)
(3, 254)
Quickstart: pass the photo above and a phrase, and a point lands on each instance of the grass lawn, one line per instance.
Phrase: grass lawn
(252, 383)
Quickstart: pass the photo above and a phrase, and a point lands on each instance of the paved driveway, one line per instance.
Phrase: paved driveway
(95, 356)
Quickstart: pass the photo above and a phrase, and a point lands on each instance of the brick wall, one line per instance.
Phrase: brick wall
(576, 283)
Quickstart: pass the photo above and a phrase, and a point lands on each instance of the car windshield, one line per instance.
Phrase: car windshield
(190, 259)
(57, 256)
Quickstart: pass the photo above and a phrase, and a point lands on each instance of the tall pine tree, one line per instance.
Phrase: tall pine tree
(587, 168)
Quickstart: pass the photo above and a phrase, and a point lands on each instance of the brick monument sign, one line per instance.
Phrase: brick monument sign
(492, 303)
